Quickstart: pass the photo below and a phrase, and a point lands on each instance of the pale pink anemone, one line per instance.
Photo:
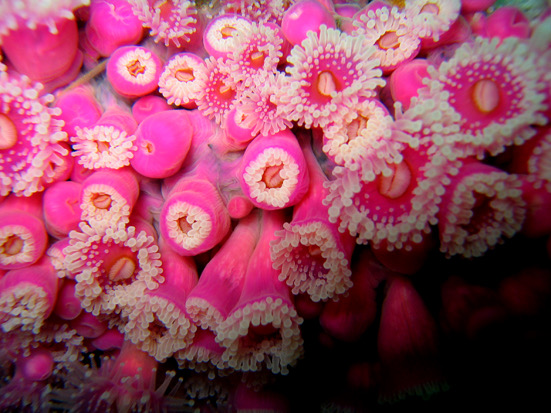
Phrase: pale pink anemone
(27, 297)
(219, 35)
(158, 324)
(107, 144)
(496, 91)
(534, 157)
(108, 197)
(363, 140)
(431, 18)
(134, 71)
(273, 173)
(390, 33)
(395, 209)
(218, 95)
(113, 267)
(194, 218)
(35, 12)
(310, 253)
(482, 206)
(262, 332)
(258, 10)
(30, 136)
(171, 22)
(23, 239)
(126, 382)
(329, 74)
(221, 281)
(257, 51)
(257, 110)
(178, 82)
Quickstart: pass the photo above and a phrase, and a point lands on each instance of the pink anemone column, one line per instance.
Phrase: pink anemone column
(310, 253)
(158, 323)
(113, 267)
(262, 330)
(321, 89)
(273, 173)
(482, 206)
(31, 136)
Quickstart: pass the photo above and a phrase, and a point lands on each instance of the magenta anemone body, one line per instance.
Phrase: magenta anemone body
(310, 253)
(163, 141)
(159, 324)
(27, 297)
(178, 82)
(482, 206)
(305, 16)
(506, 22)
(134, 71)
(220, 284)
(23, 239)
(390, 33)
(330, 72)
(41, 54)
(113, 267)
(108, 143)
(498, 100)
(262, 330)
(171, 22)
(407, 79)
(219, 35)
(194, 218)
(62, 210)
(112, 24)
(79, 107)
(107, 197)
(273, 173)
(148, 105)
(30, 144)
(407, 338)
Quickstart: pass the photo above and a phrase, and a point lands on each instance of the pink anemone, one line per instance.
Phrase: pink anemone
(257, 110)
(219, 35)
(390, 33)
(30, 138)
(178, 82)
(262, 330)
(481, 206)
(23, 239)
(330, 73)
(310, 254)
(257, 52)
(113, 267)
(158, 323)
(431, 18)
(27, 297)
(171, 22)
(273, 171)
(496, 91)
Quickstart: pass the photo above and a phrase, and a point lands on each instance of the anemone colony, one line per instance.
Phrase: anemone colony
(204, 205)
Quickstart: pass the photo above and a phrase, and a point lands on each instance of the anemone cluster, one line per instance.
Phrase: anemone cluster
(206, 204)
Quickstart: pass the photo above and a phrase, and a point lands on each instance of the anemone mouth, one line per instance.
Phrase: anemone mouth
(397, 183)
(8, 132)
(272, 176)
(135, 68)
(12, 245)
(388, 40)
(486, 95)
(327, 84)
(430, 8)
(228, 31)
(101, 200)
(122, 269)
(185, 74)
